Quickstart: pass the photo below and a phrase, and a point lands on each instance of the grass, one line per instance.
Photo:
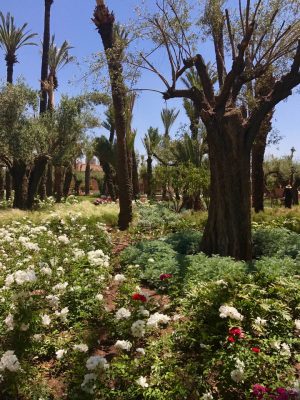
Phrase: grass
(107, 214)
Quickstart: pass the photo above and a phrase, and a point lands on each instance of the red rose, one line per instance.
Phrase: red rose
(231, 339)
(236, 332)
(140, 297)
(165, 276)
(255, 349)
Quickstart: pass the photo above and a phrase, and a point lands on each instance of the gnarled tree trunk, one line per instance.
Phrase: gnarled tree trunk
(20, 180)
(68, 180)
(228, 229)
(58, 182)
(36, 174)
(1, 183)
(49, 180)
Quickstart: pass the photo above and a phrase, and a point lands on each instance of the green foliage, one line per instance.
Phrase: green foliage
(154, 258)
(185, 241)
(277, 242)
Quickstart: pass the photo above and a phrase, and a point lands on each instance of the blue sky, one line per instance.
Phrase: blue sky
(71, 20)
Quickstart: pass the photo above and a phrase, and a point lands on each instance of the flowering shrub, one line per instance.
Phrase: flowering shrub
(51, 276)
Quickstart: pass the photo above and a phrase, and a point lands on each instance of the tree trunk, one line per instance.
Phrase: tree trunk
(149, 178)
(109, 180)
(10, 72)
(228, 229)
(87, 178)
(258, 176)
(8, 185)
(295, 188)
(42, 187)
(104, 21)
(135, 176)
(68, 180)
(45, 55)
(49, 180)
(36, 174)
(20, 181)
(58, 182)
(1, 183)
(77, 186)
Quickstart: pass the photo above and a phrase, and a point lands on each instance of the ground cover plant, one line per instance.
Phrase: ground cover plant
(160, 320)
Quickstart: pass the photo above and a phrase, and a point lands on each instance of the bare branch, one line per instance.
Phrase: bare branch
(230, 35)
(154, 70)
(207, 84)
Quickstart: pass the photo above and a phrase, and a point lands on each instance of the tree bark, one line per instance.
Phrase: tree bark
(20, 180)
(8, 185)
(58, 182)
(295, 188)
(1, 183)
(87, 178)
(149, 178)
(35, 177)
(42, 187)
(10, 72)
(49, 180)
(135, 176)
(68, 180)
(258, 176)
(45, 55)
(228, 229)
(109, 180)
(104, 21)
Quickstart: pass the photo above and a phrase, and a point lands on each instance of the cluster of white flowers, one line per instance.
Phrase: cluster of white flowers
(142, 312)
(94, 362)
(237, 375)
(156, 319)
(138, 328)
(230, 312)
(9, 322)
(123, 345)
(20, 277)
(98, 259)
(82, 347)
(142, 381)
(63, 239)
(46, 320)
(260, 322)
(88, 383)
(122, 313)
(9, 361)
(62, 314)
(60, 353)
(119, 278)
(297, 324)
(207, 396)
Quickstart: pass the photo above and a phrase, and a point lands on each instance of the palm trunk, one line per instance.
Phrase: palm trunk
(68, 180)
(87, 178)
(10, 72)
(135, 176)
(228, 229)
(149, 177)
(45, 56)
(104, 21)
(20, 180)
(1, 183)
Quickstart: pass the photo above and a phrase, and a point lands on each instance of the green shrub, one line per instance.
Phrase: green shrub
(270, 268)
(154, 258)
(200, 268)
(275, 242)
(185, 242)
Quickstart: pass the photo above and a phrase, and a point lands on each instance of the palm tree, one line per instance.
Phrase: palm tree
(59, 57)
(168, 117)
(45, 55)
(150, 141)
(11, 40)
(105, 151)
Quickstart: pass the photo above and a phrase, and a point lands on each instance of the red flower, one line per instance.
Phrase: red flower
(231, 339)
(255, 349)
(165, 276)
(236, 333)
(140, 297)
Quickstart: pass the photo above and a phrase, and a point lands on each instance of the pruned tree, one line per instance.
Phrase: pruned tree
(114, 48)
(231, 126)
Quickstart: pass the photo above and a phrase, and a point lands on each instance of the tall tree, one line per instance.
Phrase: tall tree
(151, 142)
(45, 55)
(231, 128)
(11, 40)
(104, 21)
(168, 117)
